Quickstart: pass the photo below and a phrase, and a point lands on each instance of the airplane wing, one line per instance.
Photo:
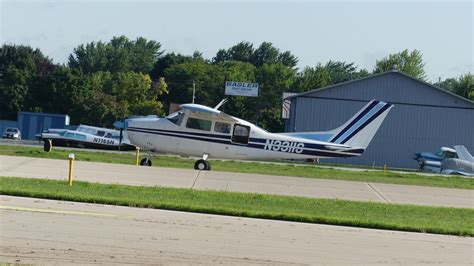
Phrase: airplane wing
(205, 112)
(463, 154)
(454, 172)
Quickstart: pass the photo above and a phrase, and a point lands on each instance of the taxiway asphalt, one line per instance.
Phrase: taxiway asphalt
(236, 182)
(36, 231)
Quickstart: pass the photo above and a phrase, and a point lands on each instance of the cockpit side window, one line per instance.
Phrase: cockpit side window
(176, 118)
(221, 127)
(450, 155)
(199, 124)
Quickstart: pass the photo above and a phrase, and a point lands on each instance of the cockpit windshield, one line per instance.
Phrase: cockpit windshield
(176, 117)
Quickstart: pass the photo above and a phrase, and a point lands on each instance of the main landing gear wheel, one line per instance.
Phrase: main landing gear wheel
(145, 162)
(48, 145)
(202, 165)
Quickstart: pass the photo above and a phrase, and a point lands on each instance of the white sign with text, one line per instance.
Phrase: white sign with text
(241, 88)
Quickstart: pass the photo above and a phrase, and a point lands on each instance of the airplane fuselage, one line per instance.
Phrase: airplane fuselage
(162, 135)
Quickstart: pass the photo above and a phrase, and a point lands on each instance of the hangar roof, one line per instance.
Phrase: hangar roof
(381, 74)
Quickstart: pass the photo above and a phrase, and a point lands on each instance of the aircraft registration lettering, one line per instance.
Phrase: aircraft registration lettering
(284, 146)
(103, 141)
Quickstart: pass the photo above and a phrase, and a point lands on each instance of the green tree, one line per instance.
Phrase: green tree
(342, 71)
(312, 78)
(180, 78)
(166, 62)
(118, 55)
(13, 92)
(273, 80)
(463, 85)
(266, 53)
(243, 51)
(133, 92)
(159, 88)
(89, 97)
(24, 73)
(287, 59)
(333, 72)
(410, 63)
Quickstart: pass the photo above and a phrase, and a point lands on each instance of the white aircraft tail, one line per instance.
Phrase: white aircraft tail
(358, 131)
(463, 153)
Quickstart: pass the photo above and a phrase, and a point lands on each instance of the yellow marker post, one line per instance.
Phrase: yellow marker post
(71, 165)
(385, 168)
(137, 155)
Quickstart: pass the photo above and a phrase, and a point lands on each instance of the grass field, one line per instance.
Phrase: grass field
(455, 221)
(308, 171)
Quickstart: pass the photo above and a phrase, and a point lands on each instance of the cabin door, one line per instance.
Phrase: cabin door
(241, 134)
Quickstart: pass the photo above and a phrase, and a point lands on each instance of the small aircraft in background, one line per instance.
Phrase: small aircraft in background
(463, 164)
(85, 137)
(205, 132)
(431, 162)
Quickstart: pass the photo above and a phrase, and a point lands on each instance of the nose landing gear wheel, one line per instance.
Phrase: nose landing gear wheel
(145, 162)
(202, 165)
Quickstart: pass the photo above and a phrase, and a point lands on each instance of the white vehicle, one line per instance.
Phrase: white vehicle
(201, 131)
(85, 136)
(11, 133)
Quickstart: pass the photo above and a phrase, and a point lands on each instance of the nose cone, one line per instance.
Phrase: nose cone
(120, 124)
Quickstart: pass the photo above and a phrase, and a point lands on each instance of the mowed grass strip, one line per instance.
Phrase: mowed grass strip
(454, 221)
(308, 171)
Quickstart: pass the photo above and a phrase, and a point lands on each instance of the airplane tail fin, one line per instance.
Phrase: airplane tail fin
(361, 128)
(463, 153)
(357, 132)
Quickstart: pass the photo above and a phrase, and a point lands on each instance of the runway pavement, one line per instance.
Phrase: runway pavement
(36, 231)
(225, 181)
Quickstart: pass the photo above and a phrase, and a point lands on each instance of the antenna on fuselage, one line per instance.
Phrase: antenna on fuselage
(220, 104)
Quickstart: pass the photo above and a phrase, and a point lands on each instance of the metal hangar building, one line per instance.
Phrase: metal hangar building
(424, 118)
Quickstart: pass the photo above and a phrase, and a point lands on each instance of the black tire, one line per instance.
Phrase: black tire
(202, 165)
(422, 166)
(48, 145)
(145, 162)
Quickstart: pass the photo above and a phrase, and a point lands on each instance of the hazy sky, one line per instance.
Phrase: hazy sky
(352, 31)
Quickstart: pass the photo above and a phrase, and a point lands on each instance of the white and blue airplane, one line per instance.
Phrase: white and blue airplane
(205, 132)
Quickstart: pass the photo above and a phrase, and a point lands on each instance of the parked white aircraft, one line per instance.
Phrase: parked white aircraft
(84, 136)
(201, 131)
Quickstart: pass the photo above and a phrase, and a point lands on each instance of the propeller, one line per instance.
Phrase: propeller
(120, 125)
(120, 138)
